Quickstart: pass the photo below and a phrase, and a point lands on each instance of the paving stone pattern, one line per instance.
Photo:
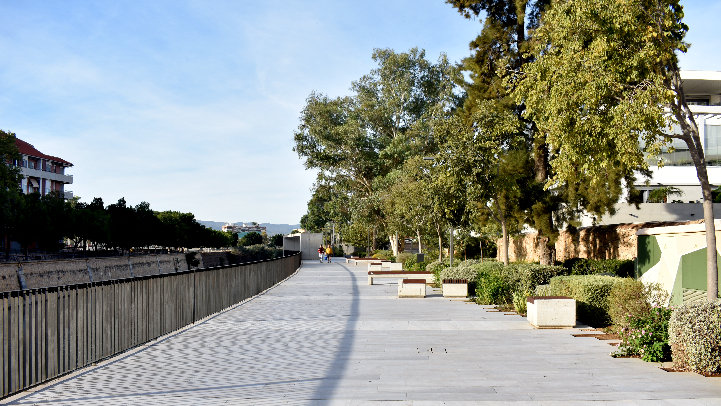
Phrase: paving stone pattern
(325, 337)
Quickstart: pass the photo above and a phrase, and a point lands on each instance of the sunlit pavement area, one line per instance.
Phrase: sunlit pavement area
(324, 336)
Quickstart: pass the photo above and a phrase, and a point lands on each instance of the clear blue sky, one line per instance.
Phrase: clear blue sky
(191, 105)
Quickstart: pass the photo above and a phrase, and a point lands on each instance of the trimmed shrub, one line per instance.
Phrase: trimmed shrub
(383, 254)
(525, 277)
(695, 337)
(543, 290)
(631, 298)
(492, 289)
(591, 293)
(585, 266)
(459, 272)
(436, 267)
(519, 301)
(520, 279)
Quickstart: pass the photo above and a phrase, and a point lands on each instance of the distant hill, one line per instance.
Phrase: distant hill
(271, 229)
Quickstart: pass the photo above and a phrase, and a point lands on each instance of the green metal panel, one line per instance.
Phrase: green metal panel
(648, 253)
(692, 269)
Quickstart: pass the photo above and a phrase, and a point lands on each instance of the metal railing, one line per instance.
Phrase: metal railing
(45, 333)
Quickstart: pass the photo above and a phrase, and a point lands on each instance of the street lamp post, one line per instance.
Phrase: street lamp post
(450, 251)
(450, 244)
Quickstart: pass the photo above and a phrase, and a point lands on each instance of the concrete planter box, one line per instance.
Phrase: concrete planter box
(455, 288)
(551, 311)
(412, 288)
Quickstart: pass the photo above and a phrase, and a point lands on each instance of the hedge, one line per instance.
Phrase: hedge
(436, 267)
(498, 283)
(585, 266)
(695, 337)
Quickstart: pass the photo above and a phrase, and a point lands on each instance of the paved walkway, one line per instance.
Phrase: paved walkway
(325, 337)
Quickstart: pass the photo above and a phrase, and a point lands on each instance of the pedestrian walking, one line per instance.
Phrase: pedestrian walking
(328, 252)
(321, 251)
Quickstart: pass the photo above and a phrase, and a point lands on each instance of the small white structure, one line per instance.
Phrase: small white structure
(455, 289)
(675, 258)
(412, 288)
(551, 311)
(306, 243)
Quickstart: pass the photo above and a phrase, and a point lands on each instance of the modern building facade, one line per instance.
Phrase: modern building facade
(43, 174)
(703, 95)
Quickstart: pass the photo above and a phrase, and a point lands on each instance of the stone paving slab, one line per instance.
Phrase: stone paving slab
(324, 337)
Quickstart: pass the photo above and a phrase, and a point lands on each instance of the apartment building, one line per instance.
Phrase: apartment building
(703, 95)
(42, 173)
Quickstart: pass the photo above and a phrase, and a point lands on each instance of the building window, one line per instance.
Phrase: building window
(712, 138)
(692, 101)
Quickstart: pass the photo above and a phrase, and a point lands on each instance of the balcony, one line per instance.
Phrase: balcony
(39, 173)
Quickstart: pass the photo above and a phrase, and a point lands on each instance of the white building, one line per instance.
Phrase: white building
(703, 95)
(42, 173)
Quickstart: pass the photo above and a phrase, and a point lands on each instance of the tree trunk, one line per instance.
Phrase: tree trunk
(540, 168)
(394, 243)
(504, 233)
(440, 242)
(420, 244)
(690, 135)
(480, 245)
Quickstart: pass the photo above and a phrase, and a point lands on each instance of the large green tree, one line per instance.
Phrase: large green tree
(605, 90)
(497, 52)
(9, 186)
(357, 141)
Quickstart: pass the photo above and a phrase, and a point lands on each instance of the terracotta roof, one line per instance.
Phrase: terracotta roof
(27, 149)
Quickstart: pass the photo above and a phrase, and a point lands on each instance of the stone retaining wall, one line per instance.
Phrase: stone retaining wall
(45, 274)
(599, 242)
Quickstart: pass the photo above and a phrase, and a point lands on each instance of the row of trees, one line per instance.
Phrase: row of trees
(43, 222)
(555, 113)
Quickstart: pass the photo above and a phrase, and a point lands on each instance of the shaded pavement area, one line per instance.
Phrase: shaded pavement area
(325, 337)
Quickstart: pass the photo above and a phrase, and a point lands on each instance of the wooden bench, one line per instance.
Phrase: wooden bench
(360, 261)
(412, 288)
(426, 275)
(551, 311)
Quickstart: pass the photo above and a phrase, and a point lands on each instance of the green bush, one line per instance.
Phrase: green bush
(491, 288)
(338, 251)
(462, 271)
(695, 337)
(519, 301)
(436, 267)
(543, 290)
(255, 253)
(585, 266)
(591, 293)
(417, 266)
(525, 277)
(407, 259)
(647, 335)
(383, 254)
(633, 298)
